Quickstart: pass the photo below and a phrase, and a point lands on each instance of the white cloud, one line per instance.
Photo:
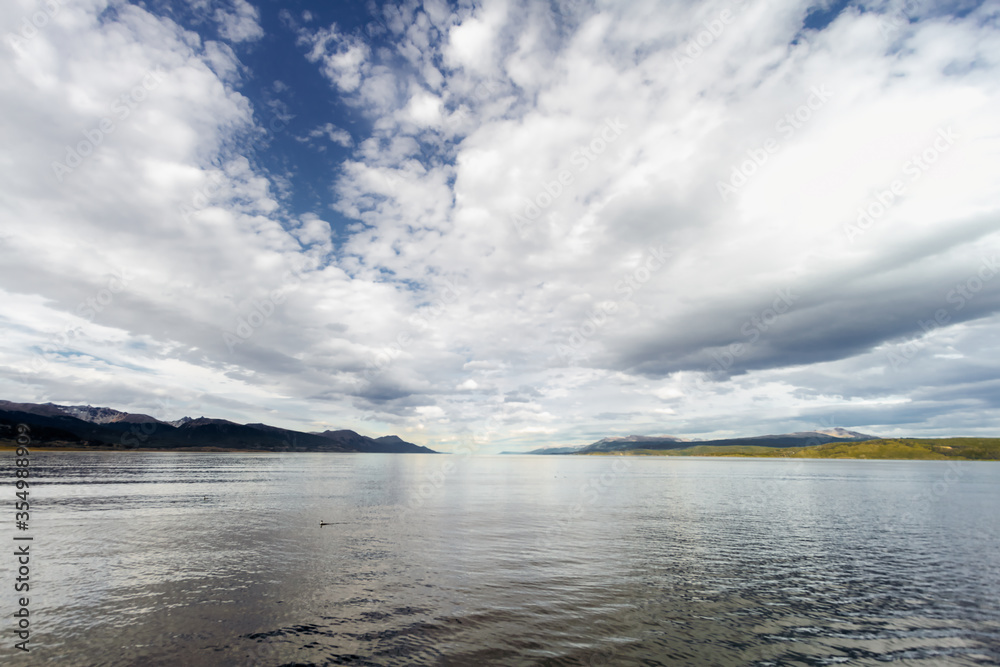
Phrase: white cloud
(606, 145)
(343, 58)
(335, 134)
(239, 22)
(423, 110)
(470, 45)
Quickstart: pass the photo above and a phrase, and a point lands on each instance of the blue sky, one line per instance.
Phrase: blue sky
(290, 97)
(505, 224)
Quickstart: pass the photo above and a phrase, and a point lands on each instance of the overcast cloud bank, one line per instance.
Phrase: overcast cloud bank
(546, 223)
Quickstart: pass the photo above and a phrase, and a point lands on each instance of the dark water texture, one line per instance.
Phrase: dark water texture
(219, 559)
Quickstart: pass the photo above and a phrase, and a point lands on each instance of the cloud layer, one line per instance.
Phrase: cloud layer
(562, 221)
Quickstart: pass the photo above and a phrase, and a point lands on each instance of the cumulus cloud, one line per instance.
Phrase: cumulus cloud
(562, 223)
(330, 131)
(239, 22)
(343, 58)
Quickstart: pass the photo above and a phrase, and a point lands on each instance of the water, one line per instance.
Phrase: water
(219, 559)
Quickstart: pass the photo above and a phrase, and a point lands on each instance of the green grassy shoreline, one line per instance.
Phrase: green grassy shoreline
(929, 449)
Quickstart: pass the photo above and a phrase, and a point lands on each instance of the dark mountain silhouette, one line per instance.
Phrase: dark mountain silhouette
(104, 428)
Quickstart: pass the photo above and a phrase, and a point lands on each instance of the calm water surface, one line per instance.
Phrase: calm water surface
(219, 559)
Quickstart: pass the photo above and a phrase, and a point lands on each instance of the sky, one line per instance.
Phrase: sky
(502, 225)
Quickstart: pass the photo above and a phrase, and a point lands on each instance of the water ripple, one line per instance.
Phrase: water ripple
(209, 559)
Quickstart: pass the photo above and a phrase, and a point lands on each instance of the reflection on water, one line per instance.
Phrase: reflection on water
(219, 559)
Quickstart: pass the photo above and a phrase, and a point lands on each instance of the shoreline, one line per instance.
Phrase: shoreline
(210, 450)
(222, 450)
(35, 449)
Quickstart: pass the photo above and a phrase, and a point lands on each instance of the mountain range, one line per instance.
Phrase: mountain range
(88, 427)
(668, 442)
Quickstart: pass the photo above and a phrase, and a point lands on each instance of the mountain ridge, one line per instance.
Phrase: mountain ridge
(669, 442)
(98, 428)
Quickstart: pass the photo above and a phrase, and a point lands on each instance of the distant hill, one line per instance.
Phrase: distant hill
(611, 444)
(832, 443)
(936, 449)
(87, 427)
(551, 450)
(670, 442)
(801, 439)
